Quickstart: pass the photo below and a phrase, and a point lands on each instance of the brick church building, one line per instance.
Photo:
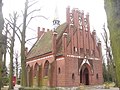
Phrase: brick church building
(67, 56)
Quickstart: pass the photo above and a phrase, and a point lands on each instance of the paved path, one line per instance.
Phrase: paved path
(16, 87)
(4, 88)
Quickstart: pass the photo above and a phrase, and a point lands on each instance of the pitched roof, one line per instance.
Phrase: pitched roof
(44, 45)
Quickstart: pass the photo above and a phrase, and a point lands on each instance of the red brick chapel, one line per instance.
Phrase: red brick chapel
(67, 56)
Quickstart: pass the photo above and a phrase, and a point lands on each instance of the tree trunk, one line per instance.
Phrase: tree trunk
(5, 47)
(16, 58)
(1, 28)
(23, 65)
(112, 8)
(23, 62)
(11, 69)
(12, 53)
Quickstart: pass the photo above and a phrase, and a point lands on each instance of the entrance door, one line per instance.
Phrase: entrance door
(86, 76)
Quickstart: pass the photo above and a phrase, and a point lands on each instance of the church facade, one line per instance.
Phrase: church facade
(66, 57)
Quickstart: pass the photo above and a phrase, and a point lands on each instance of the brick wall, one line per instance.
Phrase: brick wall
(81, 38)
(61, 72)
(64, 70)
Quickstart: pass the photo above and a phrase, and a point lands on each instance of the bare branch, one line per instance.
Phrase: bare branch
(9, 39)
(32, 4)
(33, 11)
(105, 33)
(18, 28)
(22, 12)
(31, 29)
(8, 42)
(8, 50)
(30, 39)
(11, 18)
(7, 30)
(8, 47)
(20, 25)
(35, 17)
(15, 31)
(103, 37)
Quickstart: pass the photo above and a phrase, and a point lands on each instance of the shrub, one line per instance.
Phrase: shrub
(5, 81)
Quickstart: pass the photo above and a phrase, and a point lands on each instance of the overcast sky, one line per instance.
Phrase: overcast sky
(94, 7)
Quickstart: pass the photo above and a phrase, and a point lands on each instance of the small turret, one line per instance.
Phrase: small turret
(56, 21)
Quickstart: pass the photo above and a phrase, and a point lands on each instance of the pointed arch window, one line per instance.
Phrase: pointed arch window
(46, 68)
(36, 69)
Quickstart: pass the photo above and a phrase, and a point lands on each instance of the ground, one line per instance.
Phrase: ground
(97, 87)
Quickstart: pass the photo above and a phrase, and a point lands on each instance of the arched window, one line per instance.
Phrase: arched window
(46, 68)
(36, 69)
(73, 76)
(28, 68)
(59, 71)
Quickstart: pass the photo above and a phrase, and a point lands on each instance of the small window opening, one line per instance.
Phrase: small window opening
(81, 50)
(59, 71)
(73, 76)
(87, 51)
(74, 49)
(97, 76)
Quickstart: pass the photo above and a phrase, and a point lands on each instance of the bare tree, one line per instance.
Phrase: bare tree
(5, 50)
(11, 41)
(16, 65)
(22, 36)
